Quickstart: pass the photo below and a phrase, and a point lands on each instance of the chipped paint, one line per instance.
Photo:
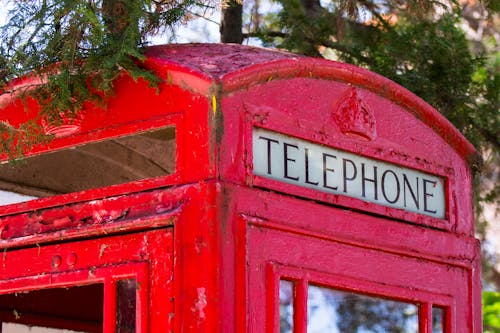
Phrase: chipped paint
(114, 214)
(102, 249)
(201, 303)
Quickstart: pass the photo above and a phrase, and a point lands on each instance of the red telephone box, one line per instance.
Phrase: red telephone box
(256, 191)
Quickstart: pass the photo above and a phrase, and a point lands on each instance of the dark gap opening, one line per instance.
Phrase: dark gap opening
(76, 308)
(94, 165)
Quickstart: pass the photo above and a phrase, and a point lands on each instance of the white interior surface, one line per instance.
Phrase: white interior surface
(7, 198)
(19, 328)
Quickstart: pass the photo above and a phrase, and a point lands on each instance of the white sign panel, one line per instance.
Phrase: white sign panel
(322, 168)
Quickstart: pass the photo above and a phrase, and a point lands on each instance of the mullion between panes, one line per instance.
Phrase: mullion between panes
(447, 322)
(425, 318)
(273, 300)
(300, 306)
(110, 305)
(142, 302)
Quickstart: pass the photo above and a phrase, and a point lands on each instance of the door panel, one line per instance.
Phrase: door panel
(311, 284)
(98, 285)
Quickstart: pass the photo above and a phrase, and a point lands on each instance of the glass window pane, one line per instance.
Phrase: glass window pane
(437, 319)
(286, 306)
(126, 305)
(333, 311)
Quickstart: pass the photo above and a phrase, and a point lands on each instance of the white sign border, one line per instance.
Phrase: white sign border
(327, 169)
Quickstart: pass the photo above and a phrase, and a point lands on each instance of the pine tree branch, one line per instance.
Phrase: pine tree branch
(203, 16)
(258, 34)
(326, 43)
(344, 49)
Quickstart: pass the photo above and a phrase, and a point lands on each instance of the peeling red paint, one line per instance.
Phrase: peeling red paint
(201, 303)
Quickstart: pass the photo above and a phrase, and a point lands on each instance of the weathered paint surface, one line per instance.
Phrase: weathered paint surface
(211, 241)
(146, 257)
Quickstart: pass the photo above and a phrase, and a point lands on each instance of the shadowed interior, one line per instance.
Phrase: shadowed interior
(78, 308)
(94, 165)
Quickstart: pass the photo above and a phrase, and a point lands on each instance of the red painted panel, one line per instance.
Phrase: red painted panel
(347, 250)
(134, 107)
(147, 257)
(98, 217)
(308, 112)
(198, 263)
(244, 87)
(348, 268)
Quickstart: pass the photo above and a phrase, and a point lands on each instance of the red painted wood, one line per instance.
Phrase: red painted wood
(104, 261)
(427, 268)
(197, 257)
(272, 300)
(412, 144)
(110, 308)
(300, 306)
(339, 267)
(425, 318)
(209, 243)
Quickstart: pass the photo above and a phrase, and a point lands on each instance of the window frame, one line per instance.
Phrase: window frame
(272, 253)
(175, 121)
(302, 278)
(144, 256)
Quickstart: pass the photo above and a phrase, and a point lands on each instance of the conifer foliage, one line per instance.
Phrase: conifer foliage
(419, 44)
(77, 48)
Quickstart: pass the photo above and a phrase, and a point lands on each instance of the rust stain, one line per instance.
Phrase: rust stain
(16, 314)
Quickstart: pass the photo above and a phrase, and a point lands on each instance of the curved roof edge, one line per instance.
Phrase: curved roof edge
(237, 67)
(350, 74)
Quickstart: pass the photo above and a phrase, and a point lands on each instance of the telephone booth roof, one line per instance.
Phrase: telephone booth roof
(207, 90)
(236, 67)
(205, 68)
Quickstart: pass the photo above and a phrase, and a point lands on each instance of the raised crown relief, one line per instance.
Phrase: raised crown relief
(68, 125)
(354, 117)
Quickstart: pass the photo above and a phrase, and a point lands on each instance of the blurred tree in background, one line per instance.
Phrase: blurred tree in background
(491, 312)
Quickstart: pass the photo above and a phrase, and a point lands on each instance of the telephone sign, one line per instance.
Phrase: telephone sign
(311, 165)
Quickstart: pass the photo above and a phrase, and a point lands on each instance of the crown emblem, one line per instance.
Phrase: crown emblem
(354, 117)
(66, 126)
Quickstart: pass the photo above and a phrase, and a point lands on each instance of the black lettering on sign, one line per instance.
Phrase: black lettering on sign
(414, 195)
(373, 180)
(344, 172)
(269, 141)
(306, 157)
(334, 171)
(428, 195)
(396, 198)
(327, 169)
(286, 159)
